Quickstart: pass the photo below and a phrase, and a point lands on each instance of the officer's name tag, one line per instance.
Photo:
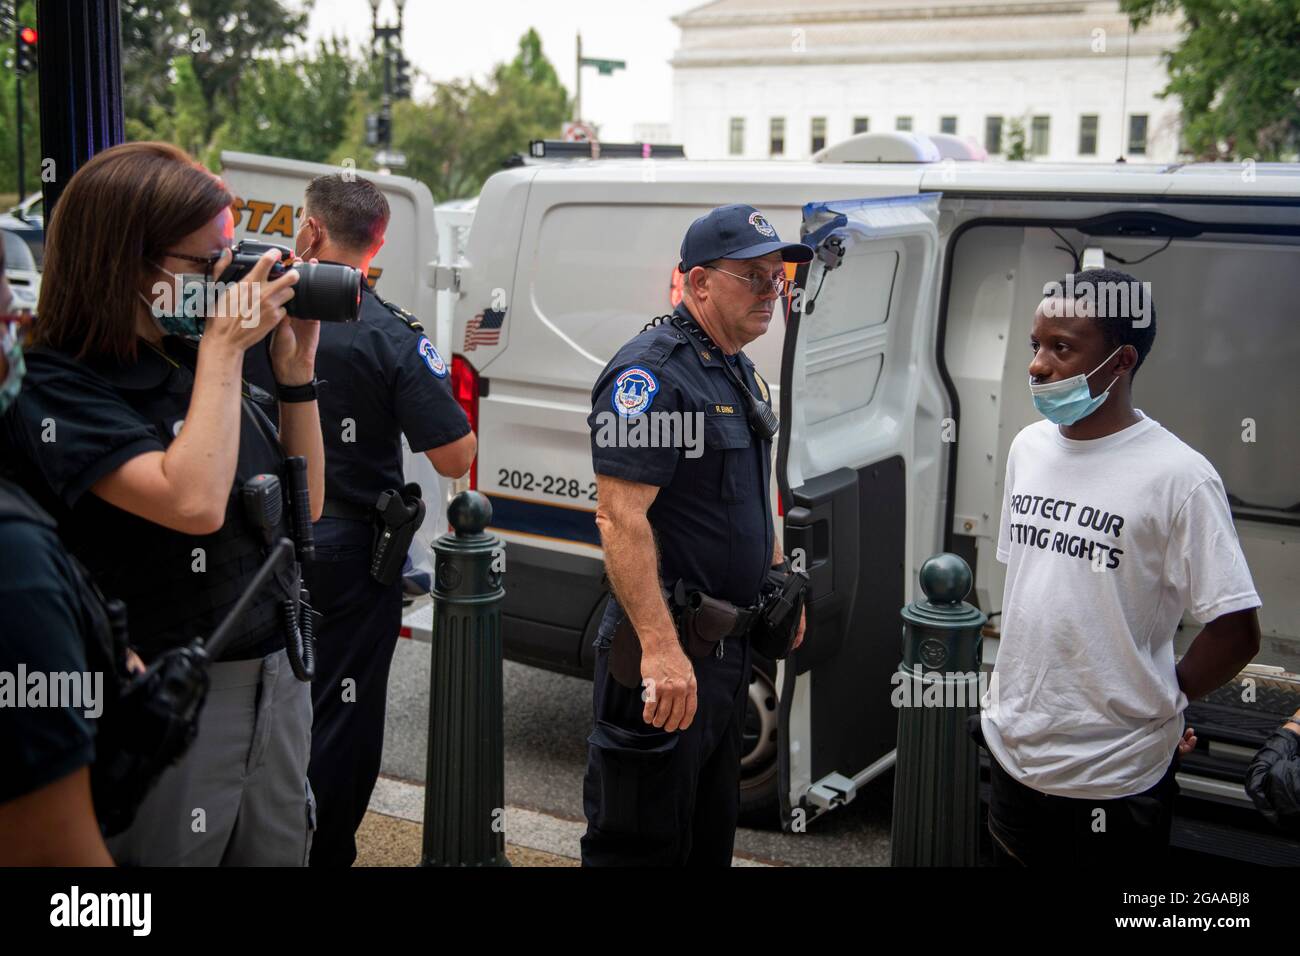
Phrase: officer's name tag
(724, 409)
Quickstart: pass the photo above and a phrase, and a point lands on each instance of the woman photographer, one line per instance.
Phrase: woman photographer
(139, 436)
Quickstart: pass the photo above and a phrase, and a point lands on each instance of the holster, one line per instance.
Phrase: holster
(700, 620)
(777, 624)
(399, 515)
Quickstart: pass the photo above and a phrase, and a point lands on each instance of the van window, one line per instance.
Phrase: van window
(600, 271)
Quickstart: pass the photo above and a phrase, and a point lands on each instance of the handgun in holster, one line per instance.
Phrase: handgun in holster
(399, 515)
(776, 626)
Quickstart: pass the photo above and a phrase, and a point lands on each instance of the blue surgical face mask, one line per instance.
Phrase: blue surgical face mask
(11, 345)
(1070, 400)
(186, 297)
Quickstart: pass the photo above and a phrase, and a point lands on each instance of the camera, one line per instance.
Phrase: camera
(324, 291)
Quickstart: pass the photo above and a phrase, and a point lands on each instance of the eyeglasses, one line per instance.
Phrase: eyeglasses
(206, 261)
(759, 283)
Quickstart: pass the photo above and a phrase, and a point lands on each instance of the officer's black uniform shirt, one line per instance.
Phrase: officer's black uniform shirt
(380, 380)
(712, 517)
(44, 620)
(74, 423)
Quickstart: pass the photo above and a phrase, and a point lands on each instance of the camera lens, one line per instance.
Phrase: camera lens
(325, 291)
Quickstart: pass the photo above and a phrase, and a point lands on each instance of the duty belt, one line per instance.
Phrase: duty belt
(347, 510)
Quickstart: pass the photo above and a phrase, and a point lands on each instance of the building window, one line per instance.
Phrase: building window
(861, 124)
(818, 133)
(993, 134)
(903, 124)
(1040, 128)
(1088, 135)
(737, 145)
(1137, 134)
(776, 136)
(948, 124)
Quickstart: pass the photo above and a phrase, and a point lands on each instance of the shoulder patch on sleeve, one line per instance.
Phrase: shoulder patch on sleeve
(432, 360)
(634, 391)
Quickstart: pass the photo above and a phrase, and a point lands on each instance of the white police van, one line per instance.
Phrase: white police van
(914, 334)
(902, 383)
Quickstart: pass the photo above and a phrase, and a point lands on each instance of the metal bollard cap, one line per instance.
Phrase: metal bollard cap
(469, 513)
(945, 580)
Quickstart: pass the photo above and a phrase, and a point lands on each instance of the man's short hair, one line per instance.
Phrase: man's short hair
(354, 211)
(1122, 306)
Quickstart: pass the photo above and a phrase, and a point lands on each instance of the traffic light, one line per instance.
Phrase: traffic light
(378, 129)
(25, 50)
(402, 81)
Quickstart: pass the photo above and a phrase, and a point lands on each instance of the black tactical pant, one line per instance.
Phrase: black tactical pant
(654, 798)
(356, 640)
(1031, 828)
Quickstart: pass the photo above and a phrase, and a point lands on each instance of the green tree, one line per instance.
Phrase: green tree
(26, 16)
(1016, 146)
(294, 108)
(1236, 74)
(218, 38)
(458, 138)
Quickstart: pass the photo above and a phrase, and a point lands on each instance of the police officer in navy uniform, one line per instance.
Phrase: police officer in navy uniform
(383, 378)
(663, 772)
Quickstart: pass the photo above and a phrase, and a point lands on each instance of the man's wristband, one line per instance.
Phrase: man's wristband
(297, 393)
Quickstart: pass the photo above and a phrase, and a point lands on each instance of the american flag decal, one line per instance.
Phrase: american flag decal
(484, 329)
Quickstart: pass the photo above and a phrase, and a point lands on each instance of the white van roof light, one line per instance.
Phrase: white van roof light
(952, 146)
(880, 148)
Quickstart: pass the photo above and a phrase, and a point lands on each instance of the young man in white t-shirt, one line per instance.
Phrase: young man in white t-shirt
(1111, 527)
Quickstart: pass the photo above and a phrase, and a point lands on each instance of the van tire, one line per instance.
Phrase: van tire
(759, 802)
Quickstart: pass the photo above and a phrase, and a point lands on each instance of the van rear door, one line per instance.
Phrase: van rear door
(865, 418)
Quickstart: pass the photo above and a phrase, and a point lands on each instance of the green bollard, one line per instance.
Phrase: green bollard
(464, 795)
(936, 779)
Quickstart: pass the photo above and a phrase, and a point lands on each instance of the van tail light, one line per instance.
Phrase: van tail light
(464, 385)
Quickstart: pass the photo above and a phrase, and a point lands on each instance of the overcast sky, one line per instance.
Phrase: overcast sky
(449, 40)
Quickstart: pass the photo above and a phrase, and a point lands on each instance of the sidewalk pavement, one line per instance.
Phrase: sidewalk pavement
(390, 835)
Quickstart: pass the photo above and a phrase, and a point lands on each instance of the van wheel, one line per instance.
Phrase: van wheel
(758, 751)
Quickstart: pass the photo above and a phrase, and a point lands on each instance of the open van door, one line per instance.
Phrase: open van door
(861, 466)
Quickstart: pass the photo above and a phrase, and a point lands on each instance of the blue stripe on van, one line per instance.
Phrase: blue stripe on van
(535, 517)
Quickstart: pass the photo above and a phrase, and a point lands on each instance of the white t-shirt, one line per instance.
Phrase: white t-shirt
(1105, 542)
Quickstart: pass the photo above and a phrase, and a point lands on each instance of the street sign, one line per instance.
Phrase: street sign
(578, 132)
(390, 158)
(604, 67)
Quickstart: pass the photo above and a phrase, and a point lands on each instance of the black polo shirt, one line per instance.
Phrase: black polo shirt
(74, 423)
(712, 517)
(44, 630)
(381, 380)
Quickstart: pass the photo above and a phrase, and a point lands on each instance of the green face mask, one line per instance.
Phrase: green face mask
(180, 309)
(11, 345)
